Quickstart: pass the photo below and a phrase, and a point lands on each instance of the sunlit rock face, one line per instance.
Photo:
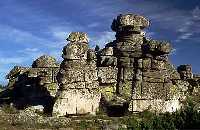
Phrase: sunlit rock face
(45, 61)
(79, 87)
(145, 78)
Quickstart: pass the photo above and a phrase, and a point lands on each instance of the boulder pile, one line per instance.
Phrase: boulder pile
(132, 73)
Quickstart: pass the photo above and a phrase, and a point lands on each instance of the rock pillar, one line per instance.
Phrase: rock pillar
(78, 86)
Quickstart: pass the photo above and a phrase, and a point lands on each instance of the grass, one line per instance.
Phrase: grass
(186, 118)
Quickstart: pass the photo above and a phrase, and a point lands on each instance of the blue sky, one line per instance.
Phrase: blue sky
(30, 28)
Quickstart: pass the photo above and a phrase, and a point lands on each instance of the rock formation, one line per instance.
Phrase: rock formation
(79, 89)
(33, 86)
(144, 72)
(132, 73)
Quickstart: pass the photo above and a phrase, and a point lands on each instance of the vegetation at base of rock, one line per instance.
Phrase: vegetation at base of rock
(186, 118)
(2, 87)
(108, 92)
(131, 74)
(9, 109)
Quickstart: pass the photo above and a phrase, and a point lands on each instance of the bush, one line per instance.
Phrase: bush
(1, 87)
(187, 118)
(9, 109)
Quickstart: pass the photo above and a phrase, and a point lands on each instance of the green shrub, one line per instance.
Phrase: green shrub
(1, 87)
(84, 125)
(186, 118)
(9, 109)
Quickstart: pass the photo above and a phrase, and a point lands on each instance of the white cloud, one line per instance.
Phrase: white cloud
(103, 38)
(93, 25)
(190, 27)
(11, 60)
(22, 37)
(196, 13)
(28, 50)
(185, 36)
(60, 35)
(184, 28)
(29, 53)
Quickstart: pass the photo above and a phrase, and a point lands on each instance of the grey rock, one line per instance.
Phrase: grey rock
(45, 61)
(131, 21)
(78, 37)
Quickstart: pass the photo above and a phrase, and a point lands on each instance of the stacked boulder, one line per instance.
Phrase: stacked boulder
(34, 86)
(46, 69)
(145, 78)
(185, 71)
(79, 89)
(131, 73)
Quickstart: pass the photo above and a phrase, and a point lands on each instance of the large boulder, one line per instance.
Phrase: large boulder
(45, 61)
(131, 22)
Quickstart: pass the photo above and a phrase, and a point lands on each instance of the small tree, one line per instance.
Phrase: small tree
(2, 87)
(97, 48)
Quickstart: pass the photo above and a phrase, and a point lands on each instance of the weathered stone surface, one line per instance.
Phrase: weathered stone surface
(91, 75)
(34, 86)
(130, 47)
(107, 74)
(153, 91)
(164, 47)
(45, 61)
(146, 63)
(151, 45)
(16, 71)
(172, 72)
(157, 65)
(78, 93)
(44, 72)
(157, 47)
(162, 58)
(71, 76)
(33, 72)
(182, 85)
(185, 71)
(92, 85)
(75, 51)
(108, 51)
(44, 80)
(78, 37)
(73, 64)
(153, 80)
(128, 73)
(91, 55)
(157, 105)
(75, 85)
(130, 21)
(107, 61)
(124, 62)
(154, 74)
(77, 101)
